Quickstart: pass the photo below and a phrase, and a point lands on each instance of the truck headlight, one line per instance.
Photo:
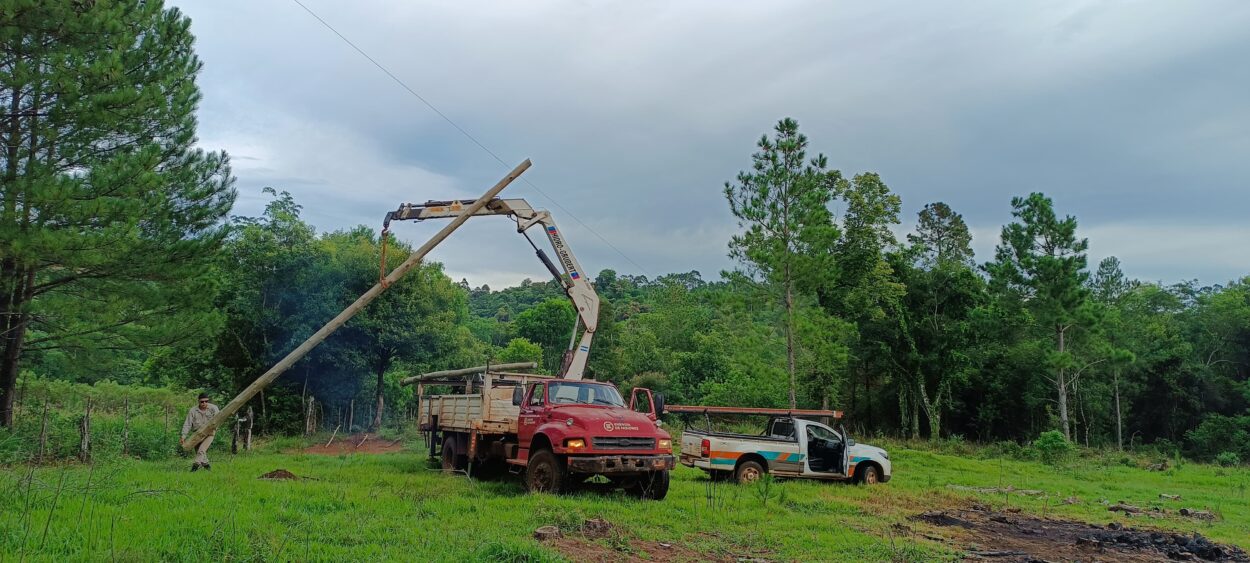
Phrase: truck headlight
(575, 443)
(666, 445)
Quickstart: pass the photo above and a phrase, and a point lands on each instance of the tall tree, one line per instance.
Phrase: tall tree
(862, 289)
(941, 235)
(548, 324)
(1041, 260)
(931, 351)
(416, 320)
(782, 205)
(109, 213)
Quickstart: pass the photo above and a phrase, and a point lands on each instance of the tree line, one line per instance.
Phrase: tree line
(120, 260)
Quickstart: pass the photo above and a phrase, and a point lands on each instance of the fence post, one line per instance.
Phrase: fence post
(84, 444)
(247, 441)
(234, 440)
(126, 428)
(351, 415)
(43, 433)
(308, 429)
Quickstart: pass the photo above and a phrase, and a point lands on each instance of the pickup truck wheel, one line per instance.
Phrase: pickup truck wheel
(868, 474)
(749, 472)
(652, 486)
(545, 474)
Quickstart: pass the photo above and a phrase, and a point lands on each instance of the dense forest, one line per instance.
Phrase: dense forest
(120, 260)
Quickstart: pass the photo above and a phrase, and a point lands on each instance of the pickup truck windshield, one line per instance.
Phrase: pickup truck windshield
(569, 393)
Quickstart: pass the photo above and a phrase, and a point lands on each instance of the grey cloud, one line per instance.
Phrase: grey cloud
(636, 113)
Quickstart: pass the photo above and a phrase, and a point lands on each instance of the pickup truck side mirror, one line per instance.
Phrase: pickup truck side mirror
(518, 395)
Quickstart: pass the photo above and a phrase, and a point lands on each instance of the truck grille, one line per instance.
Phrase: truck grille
(623, 443)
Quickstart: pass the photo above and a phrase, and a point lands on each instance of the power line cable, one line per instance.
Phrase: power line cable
(462, 131)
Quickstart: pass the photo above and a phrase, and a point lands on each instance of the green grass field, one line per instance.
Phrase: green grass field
(395, 507)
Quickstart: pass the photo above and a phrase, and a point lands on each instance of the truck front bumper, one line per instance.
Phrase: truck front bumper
(599, 464)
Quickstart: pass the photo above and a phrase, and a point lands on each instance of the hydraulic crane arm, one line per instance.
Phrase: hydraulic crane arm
(569, 274)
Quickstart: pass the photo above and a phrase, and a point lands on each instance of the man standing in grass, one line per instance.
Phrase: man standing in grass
(198, 418)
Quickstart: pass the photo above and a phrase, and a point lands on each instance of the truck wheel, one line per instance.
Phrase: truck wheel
(749, 472)
(868, 474)
(449, 453)
(652, 486)
(545, 474)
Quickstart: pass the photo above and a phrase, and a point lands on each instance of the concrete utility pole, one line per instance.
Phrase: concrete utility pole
(351, 310)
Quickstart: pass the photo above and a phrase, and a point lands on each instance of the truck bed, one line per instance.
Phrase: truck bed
(466, 413)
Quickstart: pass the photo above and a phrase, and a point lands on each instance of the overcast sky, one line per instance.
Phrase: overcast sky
(1133, 116)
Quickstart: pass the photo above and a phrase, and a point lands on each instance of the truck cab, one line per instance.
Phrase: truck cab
(788, 447)
(569, 431)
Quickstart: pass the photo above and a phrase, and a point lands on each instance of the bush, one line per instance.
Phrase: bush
(1053, 448)
(1219, 434)
(1228, 459)
(1009, 450)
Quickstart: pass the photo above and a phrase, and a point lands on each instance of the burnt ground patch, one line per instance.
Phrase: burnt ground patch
(599, 541)
(987, 535)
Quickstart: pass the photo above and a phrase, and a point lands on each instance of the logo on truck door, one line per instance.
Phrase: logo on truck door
(610, 426)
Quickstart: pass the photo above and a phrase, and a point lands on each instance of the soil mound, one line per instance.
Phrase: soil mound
(279, 474)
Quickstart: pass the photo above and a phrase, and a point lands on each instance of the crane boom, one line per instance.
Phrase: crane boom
(568, 274)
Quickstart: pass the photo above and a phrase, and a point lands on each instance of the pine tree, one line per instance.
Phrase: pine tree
(1041, 260)
(782, 204)
(109, 212)
(942, 236)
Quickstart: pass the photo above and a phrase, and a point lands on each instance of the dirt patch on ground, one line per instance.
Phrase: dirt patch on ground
(598, 541)
(279, 474)
(356, 444)
(996, 536)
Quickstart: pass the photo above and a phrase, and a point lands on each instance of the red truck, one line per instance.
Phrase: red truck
(559, 432)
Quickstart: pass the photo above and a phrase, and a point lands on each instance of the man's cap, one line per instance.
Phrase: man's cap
(203, 395)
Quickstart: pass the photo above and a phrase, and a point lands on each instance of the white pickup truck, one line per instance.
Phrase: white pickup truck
(790, 447)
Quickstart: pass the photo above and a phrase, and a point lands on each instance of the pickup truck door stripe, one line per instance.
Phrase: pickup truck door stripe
(731, 458)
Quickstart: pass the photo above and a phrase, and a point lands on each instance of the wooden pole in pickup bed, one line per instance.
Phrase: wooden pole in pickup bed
(466, 371)
(351, 310)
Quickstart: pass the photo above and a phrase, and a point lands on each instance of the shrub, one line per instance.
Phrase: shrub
(1228, 459)
(1218, 434)
(1053, 448)
(1009, 450)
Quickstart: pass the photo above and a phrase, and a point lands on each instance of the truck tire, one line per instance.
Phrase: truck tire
(748, 472)
(868, 474)
(651, 486)
(449, 453)
(545, 474)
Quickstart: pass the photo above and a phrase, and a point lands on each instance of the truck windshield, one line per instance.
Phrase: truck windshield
(567, 393)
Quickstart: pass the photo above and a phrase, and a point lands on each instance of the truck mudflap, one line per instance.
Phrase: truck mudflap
(620, 463)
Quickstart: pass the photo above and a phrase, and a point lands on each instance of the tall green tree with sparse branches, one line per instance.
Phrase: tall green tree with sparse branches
(782, 205)
(109, 215)
(1042, 262)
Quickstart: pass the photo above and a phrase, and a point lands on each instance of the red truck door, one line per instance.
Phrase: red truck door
(640, 401)
(532, 408)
